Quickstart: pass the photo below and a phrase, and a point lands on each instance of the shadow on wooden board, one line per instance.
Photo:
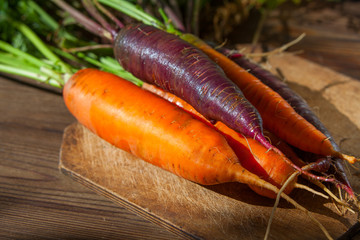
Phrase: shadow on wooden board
(340, 126)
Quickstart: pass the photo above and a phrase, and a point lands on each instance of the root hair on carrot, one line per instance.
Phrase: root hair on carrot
(309, 189)
(281, 194)
(332, 195)
(290, 178)
(247, 142)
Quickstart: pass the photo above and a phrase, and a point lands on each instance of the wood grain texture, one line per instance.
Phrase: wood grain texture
(226, 211)
(38, 202)
(332, 34)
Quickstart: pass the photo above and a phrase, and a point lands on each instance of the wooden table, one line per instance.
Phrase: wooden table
(36, 200)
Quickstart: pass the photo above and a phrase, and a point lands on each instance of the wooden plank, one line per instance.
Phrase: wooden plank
(36, 200)
(332, 34)
(226, 211)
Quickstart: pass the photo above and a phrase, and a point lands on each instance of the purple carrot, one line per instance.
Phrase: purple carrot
(176, 66)
(296, 101)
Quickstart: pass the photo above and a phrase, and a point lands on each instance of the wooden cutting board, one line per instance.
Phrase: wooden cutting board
(225, 211)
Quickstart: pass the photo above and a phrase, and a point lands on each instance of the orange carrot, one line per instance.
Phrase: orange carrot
(272, 165)
(268, 164)
(153, 129)
(276, 113)
(157, 131)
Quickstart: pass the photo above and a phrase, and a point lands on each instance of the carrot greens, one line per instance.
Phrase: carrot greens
(121, 109)
(45, 63)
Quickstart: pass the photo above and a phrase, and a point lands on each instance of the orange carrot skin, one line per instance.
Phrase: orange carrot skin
(153, 129)
(285, 148)
(268, 164)
(277, 114)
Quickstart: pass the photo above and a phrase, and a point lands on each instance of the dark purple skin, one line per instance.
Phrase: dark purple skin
(176, 66)
(296, 101)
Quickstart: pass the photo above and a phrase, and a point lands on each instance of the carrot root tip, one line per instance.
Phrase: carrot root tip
(350, 159)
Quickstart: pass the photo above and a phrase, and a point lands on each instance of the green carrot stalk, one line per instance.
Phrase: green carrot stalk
(136, 13)
(41, 46)
(33, 74)
(46, 18)
(51, 69)
(23, 55)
